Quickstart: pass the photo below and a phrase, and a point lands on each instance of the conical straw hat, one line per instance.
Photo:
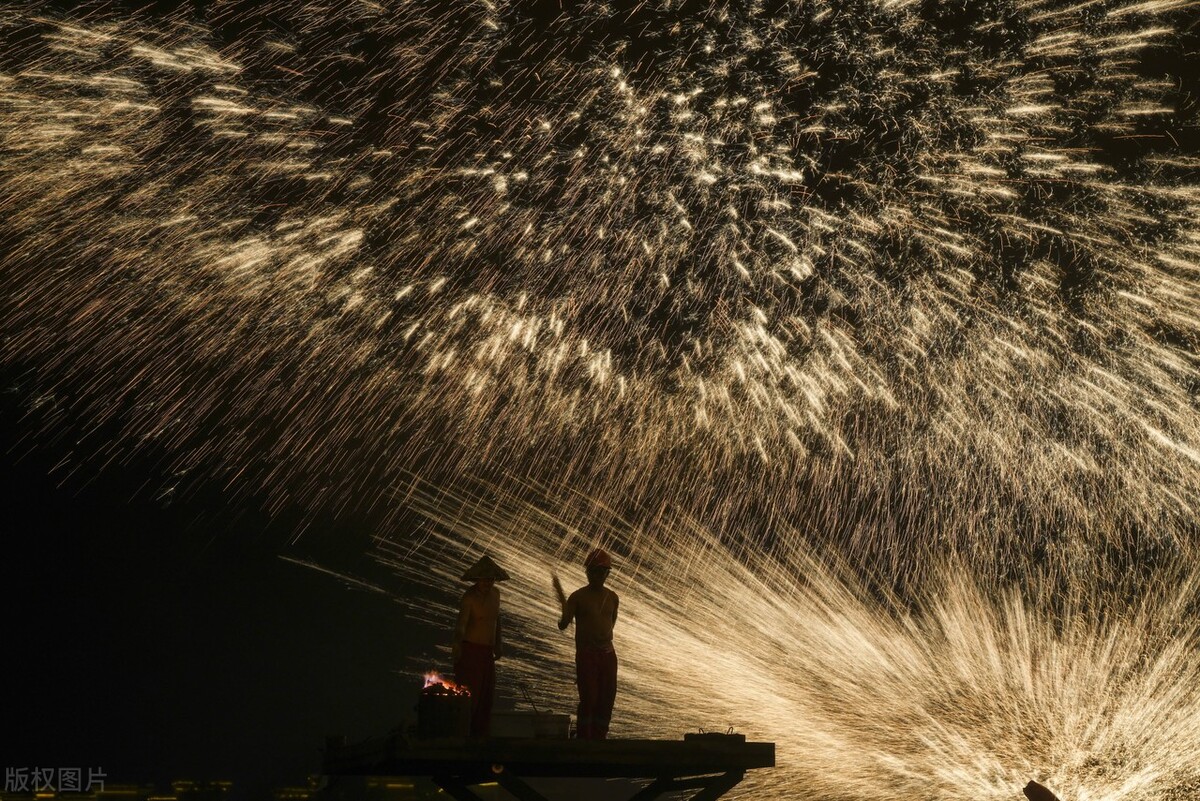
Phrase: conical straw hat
(485, 568)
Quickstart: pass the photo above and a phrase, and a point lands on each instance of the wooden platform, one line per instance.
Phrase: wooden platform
(709, 764)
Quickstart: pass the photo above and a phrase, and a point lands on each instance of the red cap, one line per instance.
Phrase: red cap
(598, 558)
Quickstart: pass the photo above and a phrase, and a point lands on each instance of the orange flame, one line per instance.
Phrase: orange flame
(435, 679)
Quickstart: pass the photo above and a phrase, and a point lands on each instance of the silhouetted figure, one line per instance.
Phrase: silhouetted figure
(1036, 792)
(594, 610)
(477, 641)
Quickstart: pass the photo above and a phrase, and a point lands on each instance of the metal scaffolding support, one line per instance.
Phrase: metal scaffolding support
(710, 764)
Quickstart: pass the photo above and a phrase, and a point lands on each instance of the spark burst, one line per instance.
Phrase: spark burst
(961, 689)
(892, 276)
(772, 260)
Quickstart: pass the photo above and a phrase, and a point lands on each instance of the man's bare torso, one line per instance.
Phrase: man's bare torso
(595, 612)
(481, 610)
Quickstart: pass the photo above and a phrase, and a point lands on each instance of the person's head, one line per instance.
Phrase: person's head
(597, 576)
(598, 564)
(485, 584)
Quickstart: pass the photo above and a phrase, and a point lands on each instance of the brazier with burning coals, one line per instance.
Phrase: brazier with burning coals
(444, 710)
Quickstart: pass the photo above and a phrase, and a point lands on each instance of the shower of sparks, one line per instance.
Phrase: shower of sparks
(892, 266)
(962, 691)
(904, 278)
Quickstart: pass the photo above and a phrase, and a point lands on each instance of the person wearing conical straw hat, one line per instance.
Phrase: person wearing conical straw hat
(593, 608)
(477, 640)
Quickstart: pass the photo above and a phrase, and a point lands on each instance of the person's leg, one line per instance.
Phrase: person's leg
(468, 671)
(585, 677)
(606, 692)
(471, 670)
(481, 715)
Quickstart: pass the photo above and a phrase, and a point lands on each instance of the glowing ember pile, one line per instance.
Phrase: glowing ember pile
(436, 685)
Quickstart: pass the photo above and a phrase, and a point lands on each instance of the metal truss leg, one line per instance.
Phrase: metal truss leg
(719, 786)
(460, 790)
(653, 790)
(518, 788)
(709, 787)
(455, 788)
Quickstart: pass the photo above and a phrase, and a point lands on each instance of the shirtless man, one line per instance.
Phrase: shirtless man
(594, 610)
(477, 641)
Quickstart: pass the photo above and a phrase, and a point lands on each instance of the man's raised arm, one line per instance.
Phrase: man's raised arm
(567, 604)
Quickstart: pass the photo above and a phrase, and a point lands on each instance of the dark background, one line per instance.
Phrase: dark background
(162, 639)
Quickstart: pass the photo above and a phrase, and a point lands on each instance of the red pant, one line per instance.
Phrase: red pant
(476, 668)
(596, 675)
